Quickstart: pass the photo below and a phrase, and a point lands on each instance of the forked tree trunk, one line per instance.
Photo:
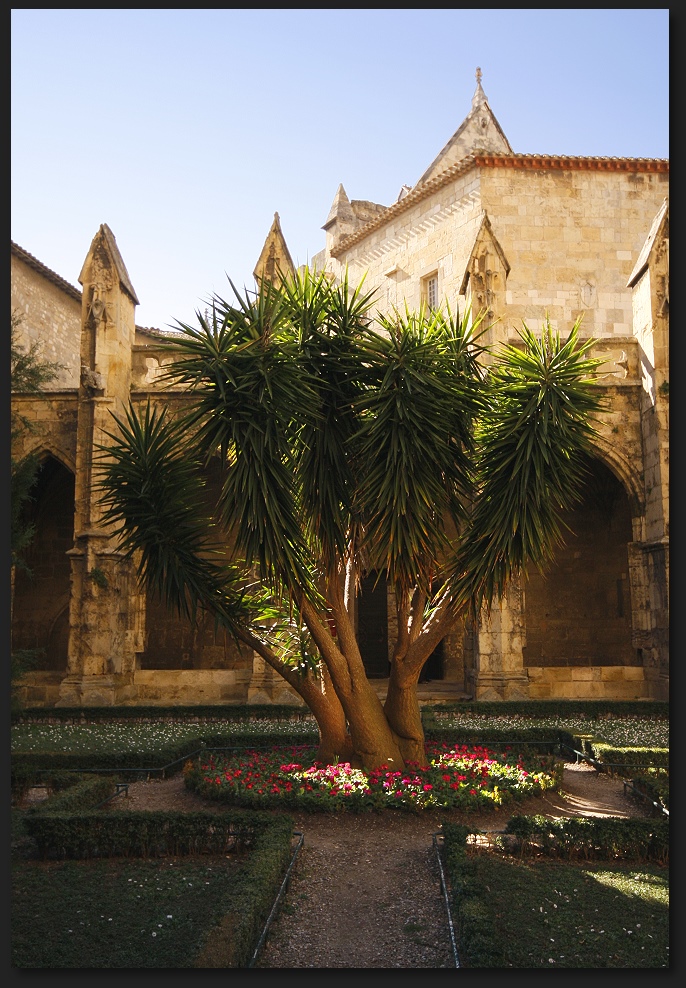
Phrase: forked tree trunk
(404, 716)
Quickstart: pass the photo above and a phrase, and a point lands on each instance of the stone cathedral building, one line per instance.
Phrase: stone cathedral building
(519, 234)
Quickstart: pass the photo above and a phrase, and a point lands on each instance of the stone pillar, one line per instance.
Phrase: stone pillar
(106, 611)
(267, 686)
(649, 580)
(499, 657)
(649, 559)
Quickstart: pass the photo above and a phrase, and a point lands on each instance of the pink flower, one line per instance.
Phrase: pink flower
(427, 787)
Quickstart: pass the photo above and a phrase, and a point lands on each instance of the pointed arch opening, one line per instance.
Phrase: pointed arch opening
(578, 612)
(40, 605)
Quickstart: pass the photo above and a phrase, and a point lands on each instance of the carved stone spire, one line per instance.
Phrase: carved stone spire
(479, 95)
(275, 259)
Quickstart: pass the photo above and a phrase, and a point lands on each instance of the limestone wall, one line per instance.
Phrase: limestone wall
(572, 239)
(434, 236)
(51, 316)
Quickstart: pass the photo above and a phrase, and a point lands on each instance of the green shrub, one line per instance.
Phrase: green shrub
(590, 838)
(234, 941)
(239, 903)
(140, 833)
(535, 740)
(84, 795)
(549, 708)
(624, 761)
(39, 766)
(180, 714)
(652, 784)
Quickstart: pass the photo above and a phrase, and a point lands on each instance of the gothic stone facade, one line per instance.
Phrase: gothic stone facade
(523, 236)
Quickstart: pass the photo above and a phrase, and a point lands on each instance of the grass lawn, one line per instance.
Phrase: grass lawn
(545, 914)
(117, 913)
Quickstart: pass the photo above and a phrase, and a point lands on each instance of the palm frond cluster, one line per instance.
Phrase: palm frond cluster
(345, 438)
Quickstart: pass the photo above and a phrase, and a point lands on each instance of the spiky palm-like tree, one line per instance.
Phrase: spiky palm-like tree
(348, 445)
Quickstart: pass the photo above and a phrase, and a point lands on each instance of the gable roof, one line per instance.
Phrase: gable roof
(63, 285)
(275, 255)
(105, 235)
(657, 226)
(485, 232)
(479, 131)
(44, 271)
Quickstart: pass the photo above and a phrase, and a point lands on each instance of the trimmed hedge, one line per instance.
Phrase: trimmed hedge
(233, 942)
(248, 739)
(590, 838)
(36, 765)
(551, 708)
(145, 833)
(199, 713)
(92, 833)
(654, 786)
(615, 759)
(473, 917)
(540, 740)
(85, 794)
(238, 712)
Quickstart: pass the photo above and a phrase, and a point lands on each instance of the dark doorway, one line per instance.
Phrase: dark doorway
(578, 613)
(372, 626)
(433, 667)
(40, 610)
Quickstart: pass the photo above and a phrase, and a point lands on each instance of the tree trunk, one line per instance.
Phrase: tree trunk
(404, 716)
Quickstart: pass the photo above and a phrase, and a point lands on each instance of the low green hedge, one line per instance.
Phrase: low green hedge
(654, 786)
(217, 738)
(37, 766)
(85, 794)
(239, 712)
(142, 833)
(234, 941)
(551, 708)
(473, 917)
(621, 760)
(92, 833)
(181, 714)
(590, 838)
(539, 740)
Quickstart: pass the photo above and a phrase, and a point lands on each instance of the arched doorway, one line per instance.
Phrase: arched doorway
(578, 613)
(40, 608)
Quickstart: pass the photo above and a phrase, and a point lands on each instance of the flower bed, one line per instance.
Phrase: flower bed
(473, 778)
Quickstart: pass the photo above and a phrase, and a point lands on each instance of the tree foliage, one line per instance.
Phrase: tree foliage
(350, 443)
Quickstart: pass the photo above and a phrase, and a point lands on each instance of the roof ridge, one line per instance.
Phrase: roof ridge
(45, 270)
(475, 158)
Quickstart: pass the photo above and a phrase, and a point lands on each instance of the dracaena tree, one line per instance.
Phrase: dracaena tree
(349, 443)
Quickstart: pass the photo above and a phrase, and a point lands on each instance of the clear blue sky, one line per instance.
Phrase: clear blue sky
(185, 130)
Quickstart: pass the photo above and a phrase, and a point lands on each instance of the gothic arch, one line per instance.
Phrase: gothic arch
(42, 589)
(45, 448)
(626, 472)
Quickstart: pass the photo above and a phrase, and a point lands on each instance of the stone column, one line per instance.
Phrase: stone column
(106, 611)
(649, 581)
(499, 641)
(267, 686)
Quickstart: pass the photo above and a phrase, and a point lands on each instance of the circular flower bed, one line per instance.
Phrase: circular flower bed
(457, 776)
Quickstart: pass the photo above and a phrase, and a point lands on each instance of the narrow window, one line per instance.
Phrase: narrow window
(430, 291)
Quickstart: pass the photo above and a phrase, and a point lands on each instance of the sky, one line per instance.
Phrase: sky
(186, 130)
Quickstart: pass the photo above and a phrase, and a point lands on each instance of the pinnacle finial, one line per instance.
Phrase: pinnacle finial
(479, 95)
